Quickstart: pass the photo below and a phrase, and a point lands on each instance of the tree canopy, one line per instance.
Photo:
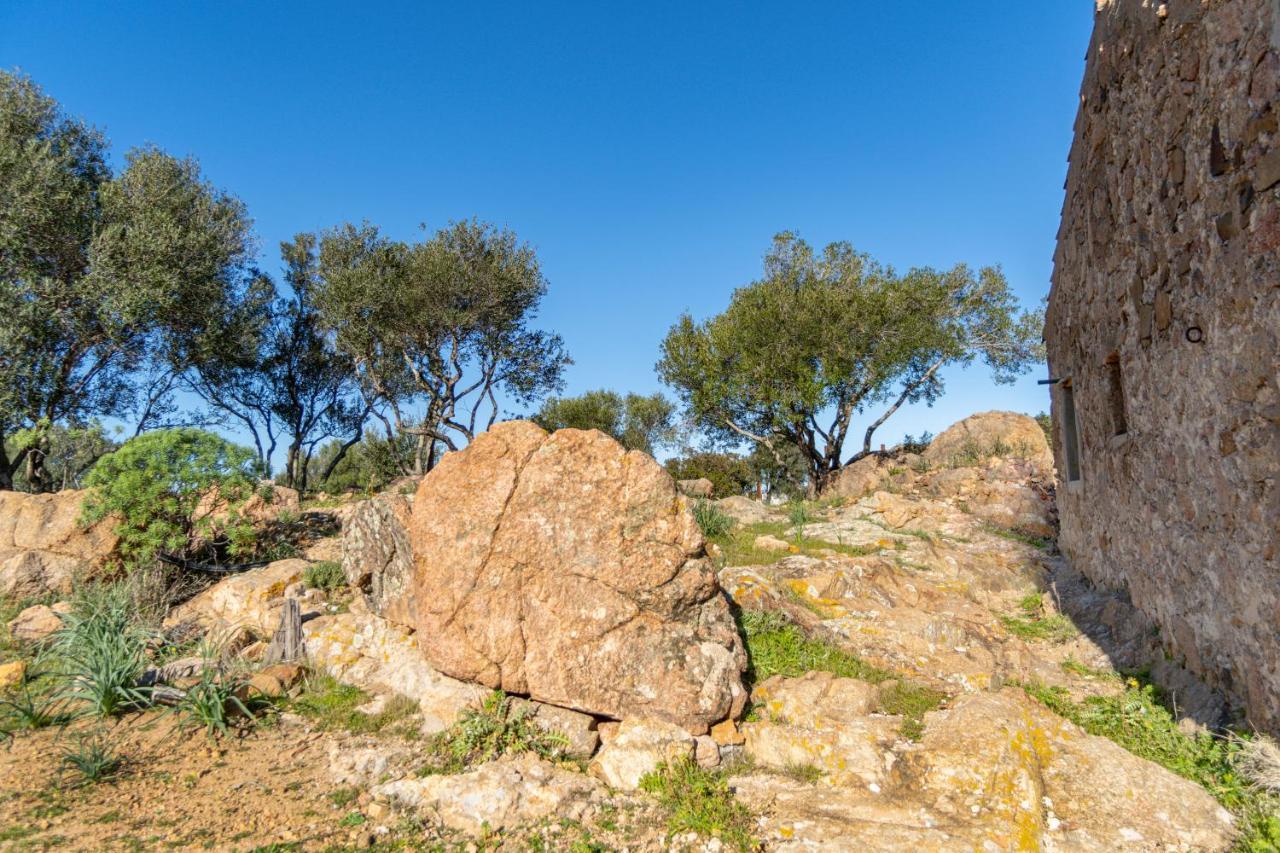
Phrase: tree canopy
(102, 276)
(444, 322)
(638, 422)
(824, 336)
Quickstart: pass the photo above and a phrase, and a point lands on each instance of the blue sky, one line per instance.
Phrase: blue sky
(648, 151)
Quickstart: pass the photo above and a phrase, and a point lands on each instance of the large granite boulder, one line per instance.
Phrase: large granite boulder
(986, 434)
(566, 568)
(377, 557)
(43, 546)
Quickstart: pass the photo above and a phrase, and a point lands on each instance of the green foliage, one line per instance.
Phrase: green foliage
(331, 705)
(368, 466)
(698, 800)
(799, 514)
(444, 322)
(910, 701)
(110, 285)
(832, 334)
(1034, 624)
(325, 575)
(911, 444)
(777, 646)
(93, 757)
(729, 473)
(159, 485)
(711, 519)
(637, 422)
(101, 650)
(24, 708)
(1046, 424)
(739, 548)
(213, 701)
(1138, 720)
(68, 453)
(1018, 536)
(496, 728)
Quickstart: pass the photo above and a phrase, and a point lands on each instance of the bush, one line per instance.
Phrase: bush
(729, 473)
(713, 520)
(160, 486)
(911, 444)
(326, 575)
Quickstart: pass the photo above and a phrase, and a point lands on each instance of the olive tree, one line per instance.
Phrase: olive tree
(103, 277)
(637, 421)
(824, 336)
(443, 323)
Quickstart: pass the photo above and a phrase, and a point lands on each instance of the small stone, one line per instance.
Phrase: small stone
(727, 734)
(288, 674)
(766, 542)
(35, 624)
(706, 751)
(266, 685)
(12, 673)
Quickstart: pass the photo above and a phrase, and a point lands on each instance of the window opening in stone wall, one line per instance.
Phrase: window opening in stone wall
(1115, 396)
(1070, 436)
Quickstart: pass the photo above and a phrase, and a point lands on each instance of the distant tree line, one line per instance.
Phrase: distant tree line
(127, 294)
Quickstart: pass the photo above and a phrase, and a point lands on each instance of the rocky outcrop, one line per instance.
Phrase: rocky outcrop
(377, 557)
(699, 488)
(744, 510)
(988, 434)
(637, 748)
(249, 600)
(566, 568)
(43, 546)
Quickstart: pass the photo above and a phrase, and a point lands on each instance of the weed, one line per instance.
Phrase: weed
(212, 701)
(343, 797)
(713, 520)
(1033, 624)
(807, 773)
(93, 757)
(102, 650)
(26, 710)
(698, 800)
(911, 701)
(326, 575)
(1138, 720)
(799, 515)
(353, 819)
(1019, 536)
(496, 728)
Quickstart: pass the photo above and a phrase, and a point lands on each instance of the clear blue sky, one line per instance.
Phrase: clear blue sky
(648, 151)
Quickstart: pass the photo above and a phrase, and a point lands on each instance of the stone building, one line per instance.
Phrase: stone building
(1163, 332)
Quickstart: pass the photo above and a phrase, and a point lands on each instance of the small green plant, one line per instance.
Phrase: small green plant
(353, 819)
(777, 646)
(93, 757)
(1034, 624)
(495, 728)
(25, 709)
(807, 773)
(212, 702)
(698, 800)
(325, 575)
(331, 705)
(102, 652)
(343, 797)
(1018, 536)
(911, 701)
(799, 514)
(711, 519)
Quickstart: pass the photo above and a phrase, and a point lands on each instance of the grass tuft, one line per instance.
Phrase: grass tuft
(713, 521)
(496, 728)
(326, 575)
(698, 800)
(93, 757)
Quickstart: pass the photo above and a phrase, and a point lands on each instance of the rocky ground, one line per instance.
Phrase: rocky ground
(923, 672)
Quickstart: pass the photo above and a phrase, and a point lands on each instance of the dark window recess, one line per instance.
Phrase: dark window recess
(1070, 436)
(1115, 396)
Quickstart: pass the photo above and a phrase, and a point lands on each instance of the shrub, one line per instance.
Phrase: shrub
(713, 520)
(326, 575)
(700, 801)
(162, 487)
(495, 729)
(93, 757)
(911, 444)
(729, 473)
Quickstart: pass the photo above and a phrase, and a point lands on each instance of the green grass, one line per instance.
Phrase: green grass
(1033, 624)
(777, 646)
(738, 545)
(343, 797)
(498, 727)
(1138, 720)
(326, 575)
(331, 705)
(1019, 536)
(698, 800)
(713, 520)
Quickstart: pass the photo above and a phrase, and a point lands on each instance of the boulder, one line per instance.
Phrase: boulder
(859, 478)
(35, 624)
(43, 546)
(498, 796)
(12, 673)
(568, 569)
(637, 749)
(699, 488)
(988, 434)
(250, 599)
(743, 509)
(377, 556)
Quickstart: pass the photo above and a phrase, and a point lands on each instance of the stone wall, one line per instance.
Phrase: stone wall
(1164, 325)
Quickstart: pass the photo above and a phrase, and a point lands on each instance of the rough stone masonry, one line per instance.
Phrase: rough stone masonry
(1164, 332)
